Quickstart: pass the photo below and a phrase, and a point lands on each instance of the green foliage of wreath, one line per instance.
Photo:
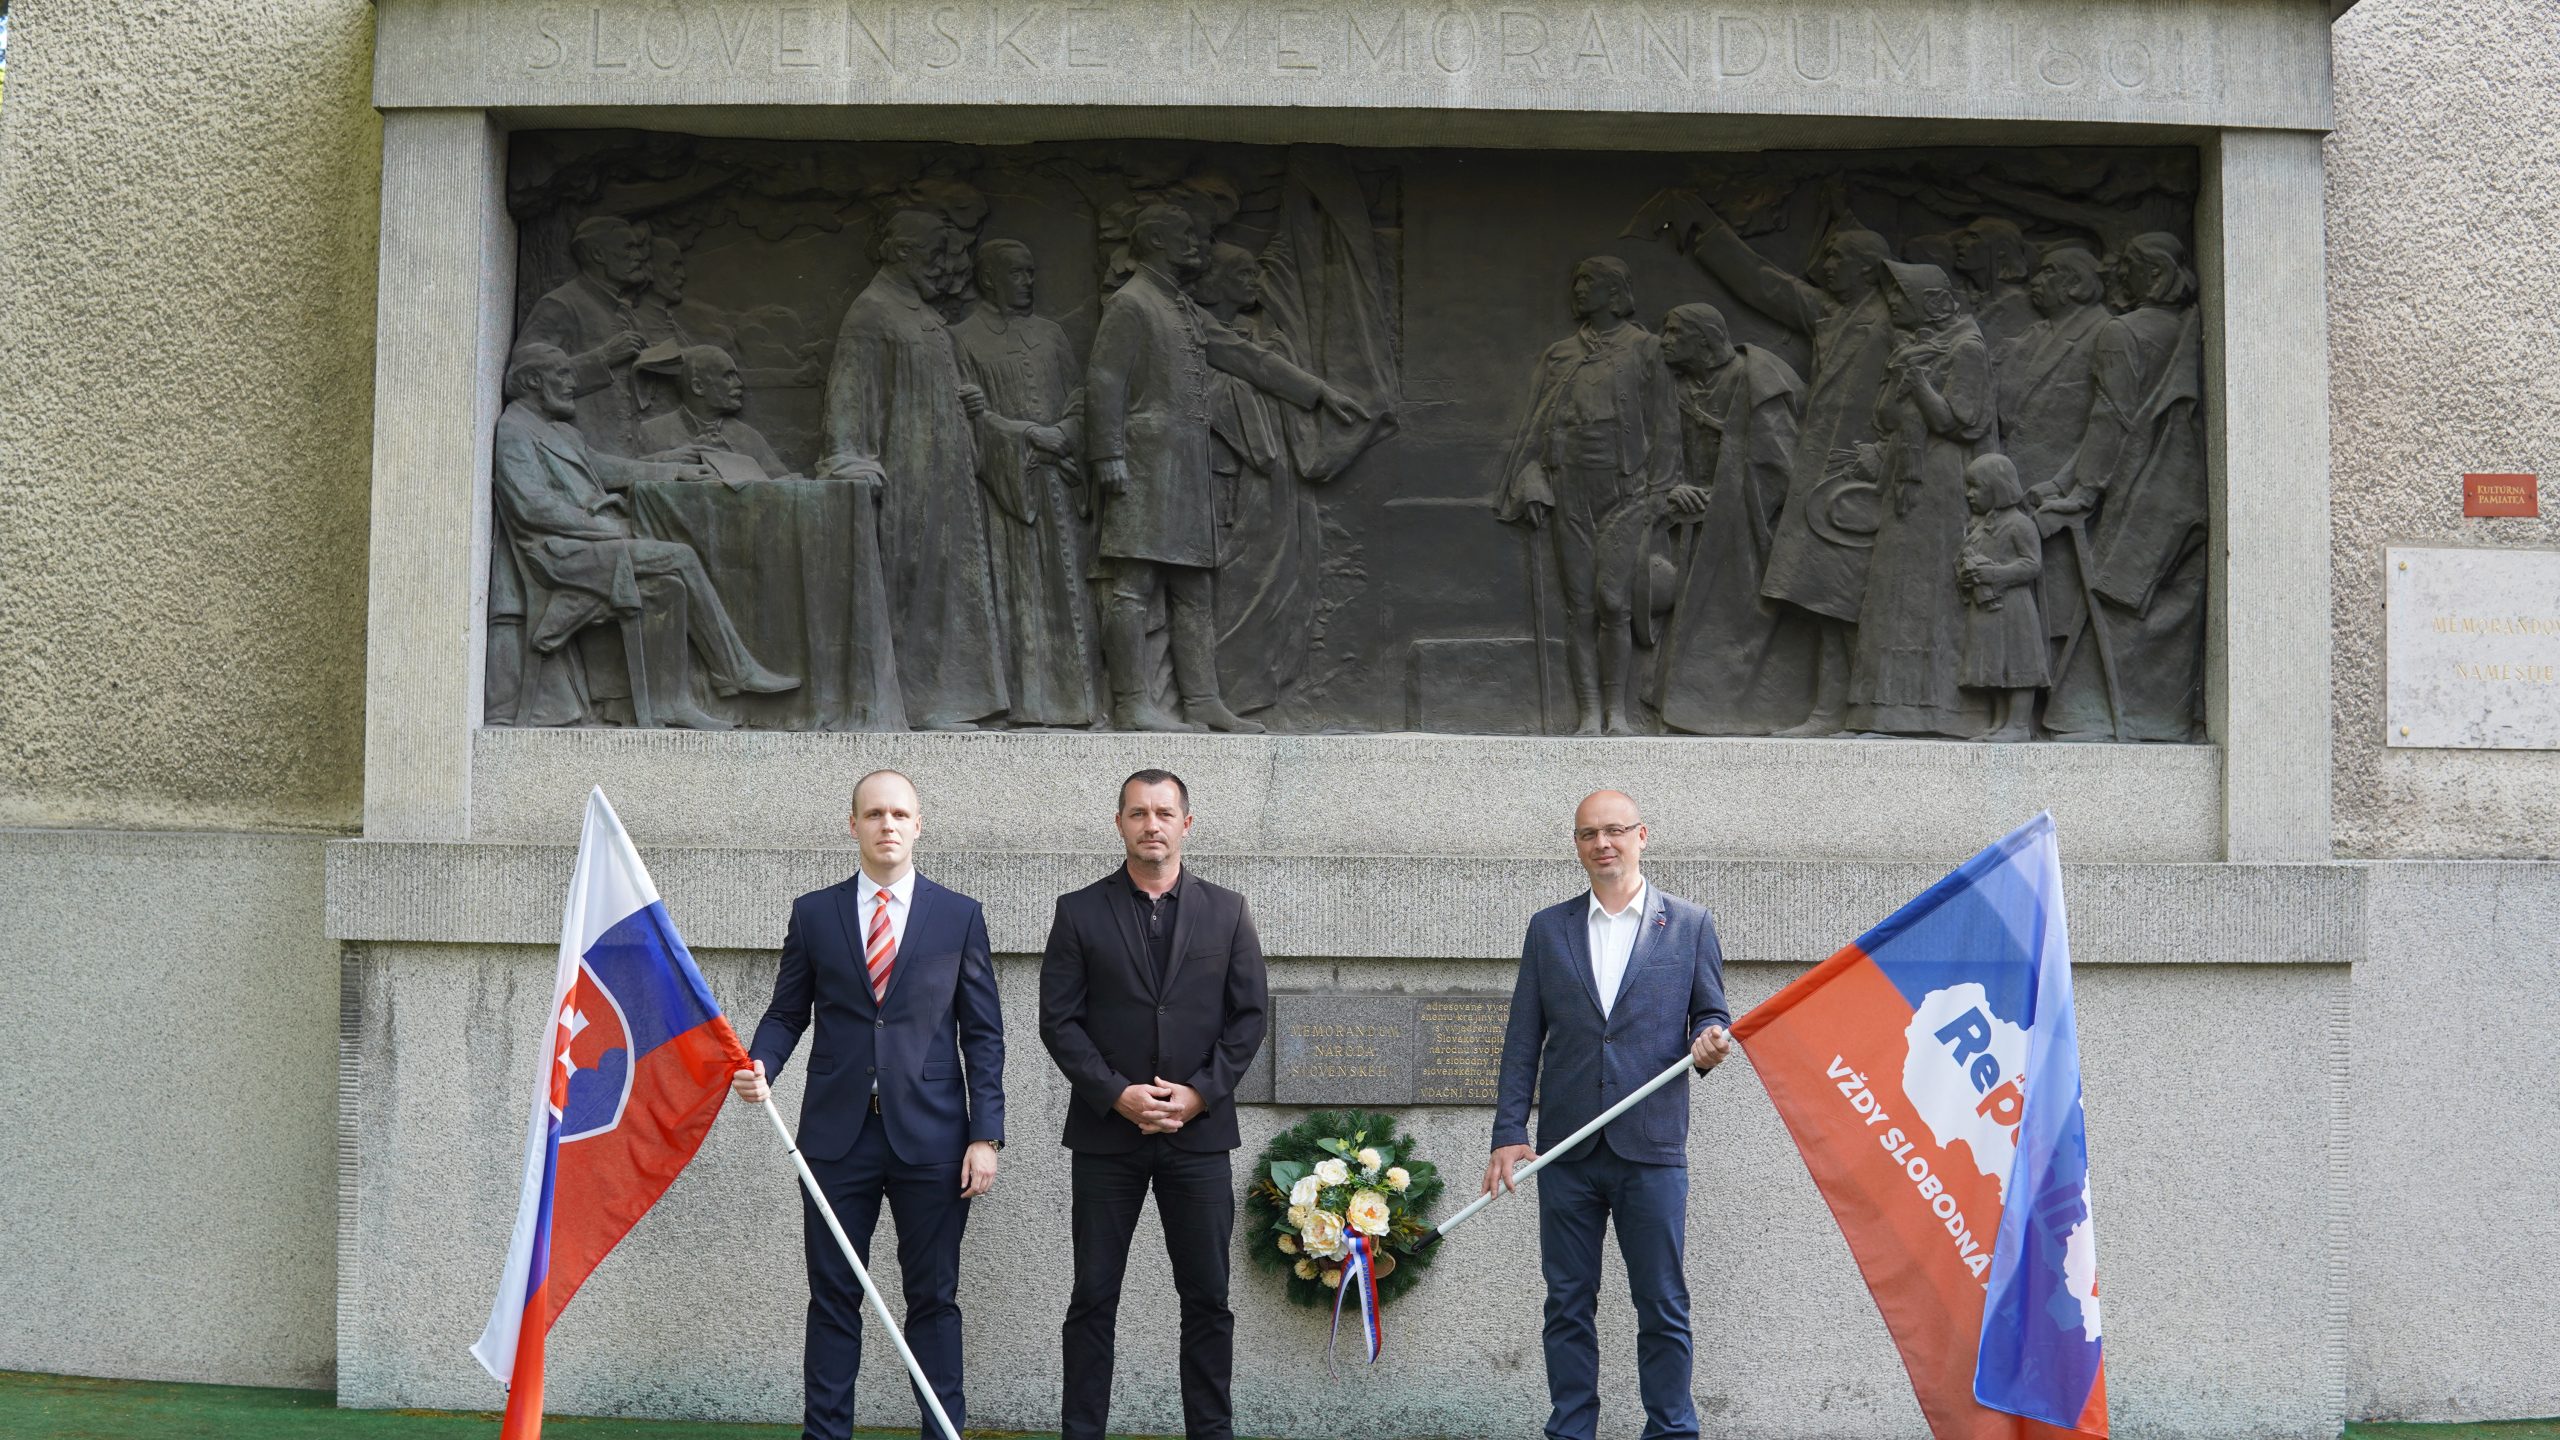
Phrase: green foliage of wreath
(1295, 1154)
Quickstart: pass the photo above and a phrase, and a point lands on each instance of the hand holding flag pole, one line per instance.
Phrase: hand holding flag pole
(1599, 1122)
(861, 1272)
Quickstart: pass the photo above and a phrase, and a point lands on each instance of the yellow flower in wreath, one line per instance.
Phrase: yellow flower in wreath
(1288, 1244)
(1398, 1178)
(1367, 1212)
(1306, 1269)
(1333, 1279)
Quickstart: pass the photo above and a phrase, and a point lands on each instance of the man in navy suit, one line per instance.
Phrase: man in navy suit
(896, 970)
(1615, 984)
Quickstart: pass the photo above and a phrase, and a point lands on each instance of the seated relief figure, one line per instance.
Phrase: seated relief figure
(583, 563)
(710, 393)
(1590, 472)
(1030, 459)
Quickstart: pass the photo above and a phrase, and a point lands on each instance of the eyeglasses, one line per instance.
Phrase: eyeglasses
(1589, 833)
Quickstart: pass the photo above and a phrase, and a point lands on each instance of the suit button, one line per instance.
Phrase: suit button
(870, 1069)
(1162, 1008)
(1608, 1039)
(879, 1024)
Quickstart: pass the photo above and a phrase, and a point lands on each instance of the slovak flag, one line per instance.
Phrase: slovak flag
(640, 1061)
(1930, 1074)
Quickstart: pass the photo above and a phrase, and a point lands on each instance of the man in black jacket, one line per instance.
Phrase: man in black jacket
(1152, 1003)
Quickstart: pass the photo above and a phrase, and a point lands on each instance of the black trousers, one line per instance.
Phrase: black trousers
(925, 1201)
(1196, 1200)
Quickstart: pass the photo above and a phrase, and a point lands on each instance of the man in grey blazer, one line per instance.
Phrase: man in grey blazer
(1615, 984)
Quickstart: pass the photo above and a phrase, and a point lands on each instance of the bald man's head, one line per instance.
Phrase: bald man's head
(887, 817)
(1609, 837)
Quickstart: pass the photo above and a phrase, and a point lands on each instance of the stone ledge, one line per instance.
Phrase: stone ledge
(1423, 795)
(1347, 907)
(2242, 62)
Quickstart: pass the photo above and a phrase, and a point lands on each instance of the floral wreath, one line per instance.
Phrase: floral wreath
(1337, 1174)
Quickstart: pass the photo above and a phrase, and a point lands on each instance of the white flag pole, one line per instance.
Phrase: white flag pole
(1440, 1231)
(862, 1273)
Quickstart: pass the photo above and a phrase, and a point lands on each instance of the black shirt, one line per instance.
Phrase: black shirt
(1155, 919)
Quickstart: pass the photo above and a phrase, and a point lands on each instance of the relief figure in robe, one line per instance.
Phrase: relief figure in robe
(1732, 661)
(1819, 552)
(2043, 379)
(2137, 499)
(1934, 415)
(1993, 260)
(1147, 406)
(593, 319)
(1590, 472)
(1030, 459)
(896, 416)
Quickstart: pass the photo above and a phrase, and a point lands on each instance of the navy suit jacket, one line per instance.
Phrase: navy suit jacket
(1560, 1049)
(941, 1010)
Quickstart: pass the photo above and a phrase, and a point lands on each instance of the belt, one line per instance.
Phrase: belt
(875, 1102)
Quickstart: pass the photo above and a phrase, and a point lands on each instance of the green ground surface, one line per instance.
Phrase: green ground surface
(58, 1407)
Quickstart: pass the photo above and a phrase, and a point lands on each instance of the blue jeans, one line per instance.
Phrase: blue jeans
(1576, 1198)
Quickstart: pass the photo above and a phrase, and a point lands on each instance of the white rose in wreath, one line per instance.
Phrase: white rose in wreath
(1333, 1172)
(1303, 1194)
(1322, 1235)
(1370, 1160)
(1367, 1212)
(1398, 1178)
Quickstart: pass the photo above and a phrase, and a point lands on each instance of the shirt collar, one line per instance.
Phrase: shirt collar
(1181, 882)
(1636, 907)
(902, 891)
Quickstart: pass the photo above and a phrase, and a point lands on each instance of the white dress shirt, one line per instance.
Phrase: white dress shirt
(1613, 939)
(902, 894)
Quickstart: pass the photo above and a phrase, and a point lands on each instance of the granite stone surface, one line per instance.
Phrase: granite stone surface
(1448, 795)
(167, 1170)
(186, 341)
(2437, 310)
(2223, 1318)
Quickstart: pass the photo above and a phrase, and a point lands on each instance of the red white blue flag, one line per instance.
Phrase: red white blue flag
(1930, 1074)
(639, 1062)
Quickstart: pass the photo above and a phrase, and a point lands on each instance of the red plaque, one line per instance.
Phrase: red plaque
(2501, 496)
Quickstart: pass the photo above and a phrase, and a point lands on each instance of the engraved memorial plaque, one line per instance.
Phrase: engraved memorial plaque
(1458, 1051)
(1343, 1049)
(2473, 649)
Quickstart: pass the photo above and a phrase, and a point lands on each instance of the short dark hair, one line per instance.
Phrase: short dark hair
(1157, 777)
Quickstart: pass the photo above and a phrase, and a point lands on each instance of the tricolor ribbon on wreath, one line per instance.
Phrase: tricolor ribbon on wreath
(1360, 1279)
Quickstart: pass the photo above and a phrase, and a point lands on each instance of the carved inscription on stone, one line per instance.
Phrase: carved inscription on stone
(2473, 648)
(1459, 1048)
(1181, 436)
(1339, 1048)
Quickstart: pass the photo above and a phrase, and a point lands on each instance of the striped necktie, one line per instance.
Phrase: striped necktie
(880, 949)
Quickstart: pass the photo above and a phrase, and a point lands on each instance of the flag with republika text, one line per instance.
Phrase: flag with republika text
(639, 1061)
(1930, 1074)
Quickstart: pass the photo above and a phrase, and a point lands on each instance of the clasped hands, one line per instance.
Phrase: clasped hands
(1159, 1108)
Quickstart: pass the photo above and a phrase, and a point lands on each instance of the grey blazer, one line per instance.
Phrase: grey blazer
(1560, 1049)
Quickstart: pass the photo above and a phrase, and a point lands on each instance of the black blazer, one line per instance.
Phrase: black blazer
(941, 1008)
(1109, 1027)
